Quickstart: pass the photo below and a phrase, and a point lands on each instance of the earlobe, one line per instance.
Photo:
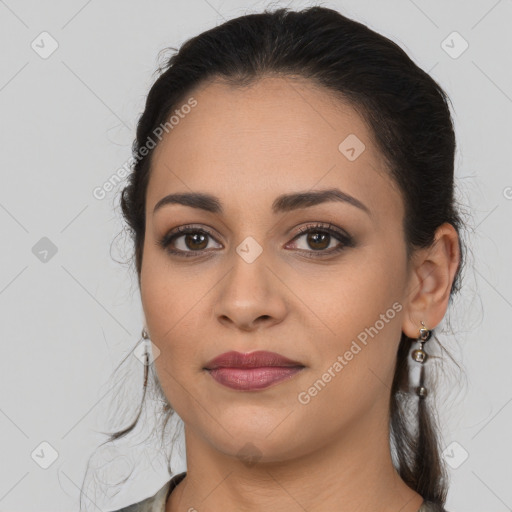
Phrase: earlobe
(431, 281)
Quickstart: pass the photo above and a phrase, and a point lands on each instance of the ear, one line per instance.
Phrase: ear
(432, 271)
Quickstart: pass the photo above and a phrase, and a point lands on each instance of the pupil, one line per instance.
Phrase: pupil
(315, 240)
(195, 239)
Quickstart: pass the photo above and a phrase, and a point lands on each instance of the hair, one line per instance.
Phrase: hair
(409, 118)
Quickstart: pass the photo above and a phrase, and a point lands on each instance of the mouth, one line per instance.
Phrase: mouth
(253, 371)
(250, 379)
(257, 359)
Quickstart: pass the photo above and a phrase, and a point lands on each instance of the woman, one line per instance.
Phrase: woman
(296, 242)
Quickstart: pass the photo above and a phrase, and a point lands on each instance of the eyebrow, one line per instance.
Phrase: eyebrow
(283, 203)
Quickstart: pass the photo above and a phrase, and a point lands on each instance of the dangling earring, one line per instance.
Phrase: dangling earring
(145, 336)
(420, 356)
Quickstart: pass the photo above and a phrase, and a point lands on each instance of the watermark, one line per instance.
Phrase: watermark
(44, 454)
(249, 249)
(44, 249)
(304, 397)
(108, 185)
(454, 45)
(351, 147)
(455, 454)
(249, 454)
(44, 45)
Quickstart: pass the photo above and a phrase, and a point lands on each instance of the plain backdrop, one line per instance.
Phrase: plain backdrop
(73, 81)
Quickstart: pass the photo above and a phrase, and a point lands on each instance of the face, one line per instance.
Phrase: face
(323, 283)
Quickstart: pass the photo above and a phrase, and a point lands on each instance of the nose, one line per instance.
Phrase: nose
(251, 296)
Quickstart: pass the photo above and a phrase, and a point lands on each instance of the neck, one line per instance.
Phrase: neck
(354, 474)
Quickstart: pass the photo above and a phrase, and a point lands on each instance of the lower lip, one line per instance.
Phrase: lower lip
(245, 379)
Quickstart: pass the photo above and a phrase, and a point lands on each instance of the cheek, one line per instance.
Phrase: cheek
(180, 359)
(361, 320)
(352, 296)
(168, 293)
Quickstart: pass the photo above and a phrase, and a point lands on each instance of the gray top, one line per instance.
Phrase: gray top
(156, 503)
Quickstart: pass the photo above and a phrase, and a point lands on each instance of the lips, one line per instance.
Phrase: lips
(257, 359)
(252, 372)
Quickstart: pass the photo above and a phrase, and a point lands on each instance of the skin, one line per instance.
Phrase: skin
(247, 146)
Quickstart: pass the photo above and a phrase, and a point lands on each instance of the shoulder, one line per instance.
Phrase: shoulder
(156, 502)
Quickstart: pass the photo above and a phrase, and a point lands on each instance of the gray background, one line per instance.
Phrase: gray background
(67, 124)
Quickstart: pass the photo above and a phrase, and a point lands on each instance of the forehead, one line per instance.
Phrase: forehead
(249, 144)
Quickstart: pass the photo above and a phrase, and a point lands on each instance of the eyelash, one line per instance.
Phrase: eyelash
(346, 241)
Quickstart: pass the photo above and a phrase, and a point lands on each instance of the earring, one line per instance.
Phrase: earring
(420, 356)
(145, 336)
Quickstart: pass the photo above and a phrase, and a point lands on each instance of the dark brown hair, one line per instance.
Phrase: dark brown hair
(409, 118)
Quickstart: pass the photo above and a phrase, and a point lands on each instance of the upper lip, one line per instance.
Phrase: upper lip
(256, 359)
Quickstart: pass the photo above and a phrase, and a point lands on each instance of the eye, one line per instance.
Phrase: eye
(319, 238)
(195, 240)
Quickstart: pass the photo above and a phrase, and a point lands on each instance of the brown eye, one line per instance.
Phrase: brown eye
(184, 241)
(195, 241)
(189, 241)
(318, 239)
